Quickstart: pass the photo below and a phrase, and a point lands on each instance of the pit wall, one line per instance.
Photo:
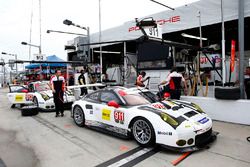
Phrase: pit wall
(234, 111)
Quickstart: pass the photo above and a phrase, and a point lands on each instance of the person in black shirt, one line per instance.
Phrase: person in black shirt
(82, 81)
(57, 83)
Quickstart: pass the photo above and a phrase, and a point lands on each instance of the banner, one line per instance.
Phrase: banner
(232, 62)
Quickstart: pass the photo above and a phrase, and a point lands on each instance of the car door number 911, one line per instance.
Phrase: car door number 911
(119, 117)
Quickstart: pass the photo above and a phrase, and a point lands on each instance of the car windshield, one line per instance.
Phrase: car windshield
(150, 96)
(135, 99)
(42, 87)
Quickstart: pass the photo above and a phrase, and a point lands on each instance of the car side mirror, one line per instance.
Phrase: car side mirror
(113, 103)
(24, 91)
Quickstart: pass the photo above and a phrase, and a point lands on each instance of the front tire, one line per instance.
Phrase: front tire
(35, 101)
(78, 116)
(143, 132)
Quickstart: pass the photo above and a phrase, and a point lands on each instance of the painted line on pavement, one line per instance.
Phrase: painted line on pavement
(130, 158)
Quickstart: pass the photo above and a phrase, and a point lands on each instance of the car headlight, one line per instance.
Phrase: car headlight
(45, 97)
(69, 93)
(197, 107)
(170, 120)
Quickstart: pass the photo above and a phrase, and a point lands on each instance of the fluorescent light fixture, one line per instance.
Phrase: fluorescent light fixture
(191, 36)
(97, 51)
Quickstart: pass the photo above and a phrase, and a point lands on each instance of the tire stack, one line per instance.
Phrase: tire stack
(227, 93)
(29, 110)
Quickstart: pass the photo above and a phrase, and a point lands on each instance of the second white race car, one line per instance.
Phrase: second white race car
(177, 125)
(36, 93)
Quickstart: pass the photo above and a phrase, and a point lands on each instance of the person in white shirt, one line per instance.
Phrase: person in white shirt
(57, 83)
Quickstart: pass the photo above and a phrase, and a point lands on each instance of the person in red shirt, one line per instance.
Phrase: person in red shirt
(173, 82)
(57, 83)
(141, 79)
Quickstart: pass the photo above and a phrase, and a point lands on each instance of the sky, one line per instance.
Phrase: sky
(15, 24)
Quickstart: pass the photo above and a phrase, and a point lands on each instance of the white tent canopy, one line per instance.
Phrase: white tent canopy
(184, 17)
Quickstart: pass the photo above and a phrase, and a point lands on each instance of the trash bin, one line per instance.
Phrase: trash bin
(77, 93)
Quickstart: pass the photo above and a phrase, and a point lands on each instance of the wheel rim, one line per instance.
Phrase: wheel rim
(142, 131)
(78, 115)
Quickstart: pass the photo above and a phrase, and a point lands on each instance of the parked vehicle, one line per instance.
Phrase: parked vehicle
(37, 93)
(177, 125)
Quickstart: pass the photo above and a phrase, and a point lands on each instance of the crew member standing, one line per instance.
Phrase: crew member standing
(141, 79)
(82, 81)
(247, 82)
(173, 81)
(58, 87)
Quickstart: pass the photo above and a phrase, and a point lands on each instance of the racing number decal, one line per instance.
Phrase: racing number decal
(106, 114)
(159, 106)
(19, 97)
(119, 117)
(28, 97)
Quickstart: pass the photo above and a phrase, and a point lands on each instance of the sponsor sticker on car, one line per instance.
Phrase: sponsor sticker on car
(106, 114)
(203, 120)
(19, 97)
(119, 117)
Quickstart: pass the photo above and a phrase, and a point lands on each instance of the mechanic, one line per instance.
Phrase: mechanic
(141, 79)
(173, 82)
(57, 83)
(82, 81)
(247, 82)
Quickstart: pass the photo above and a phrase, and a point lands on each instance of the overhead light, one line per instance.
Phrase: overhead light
(192, 36)
(67, 22)
(146, 23)
(97, 51)
(24, 43)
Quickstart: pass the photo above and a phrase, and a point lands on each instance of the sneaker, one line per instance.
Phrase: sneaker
(57, 115)
(62, 114)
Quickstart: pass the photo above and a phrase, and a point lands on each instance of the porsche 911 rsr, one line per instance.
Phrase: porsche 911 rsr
(125, 112)
(37, 93)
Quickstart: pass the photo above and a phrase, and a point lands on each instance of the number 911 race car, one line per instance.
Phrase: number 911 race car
(37, 93)
(177, 125)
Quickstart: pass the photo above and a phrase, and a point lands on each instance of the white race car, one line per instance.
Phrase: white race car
(37, 93)
(177, 125)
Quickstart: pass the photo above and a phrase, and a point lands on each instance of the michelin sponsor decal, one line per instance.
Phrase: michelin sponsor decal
(203, 120)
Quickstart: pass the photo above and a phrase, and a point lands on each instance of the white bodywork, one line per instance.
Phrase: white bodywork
(44, 97)
(120, 119)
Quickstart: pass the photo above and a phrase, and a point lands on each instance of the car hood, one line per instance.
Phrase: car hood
(191, 116)
(48, 93)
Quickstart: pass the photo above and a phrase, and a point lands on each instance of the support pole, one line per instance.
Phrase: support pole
(100, 39)
(125, 64)
(241, 47)
(223, 45)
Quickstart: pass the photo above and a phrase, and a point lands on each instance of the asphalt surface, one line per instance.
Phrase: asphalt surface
(46, 141)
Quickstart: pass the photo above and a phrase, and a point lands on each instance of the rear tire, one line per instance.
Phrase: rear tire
(143, 132)
(78, 116)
